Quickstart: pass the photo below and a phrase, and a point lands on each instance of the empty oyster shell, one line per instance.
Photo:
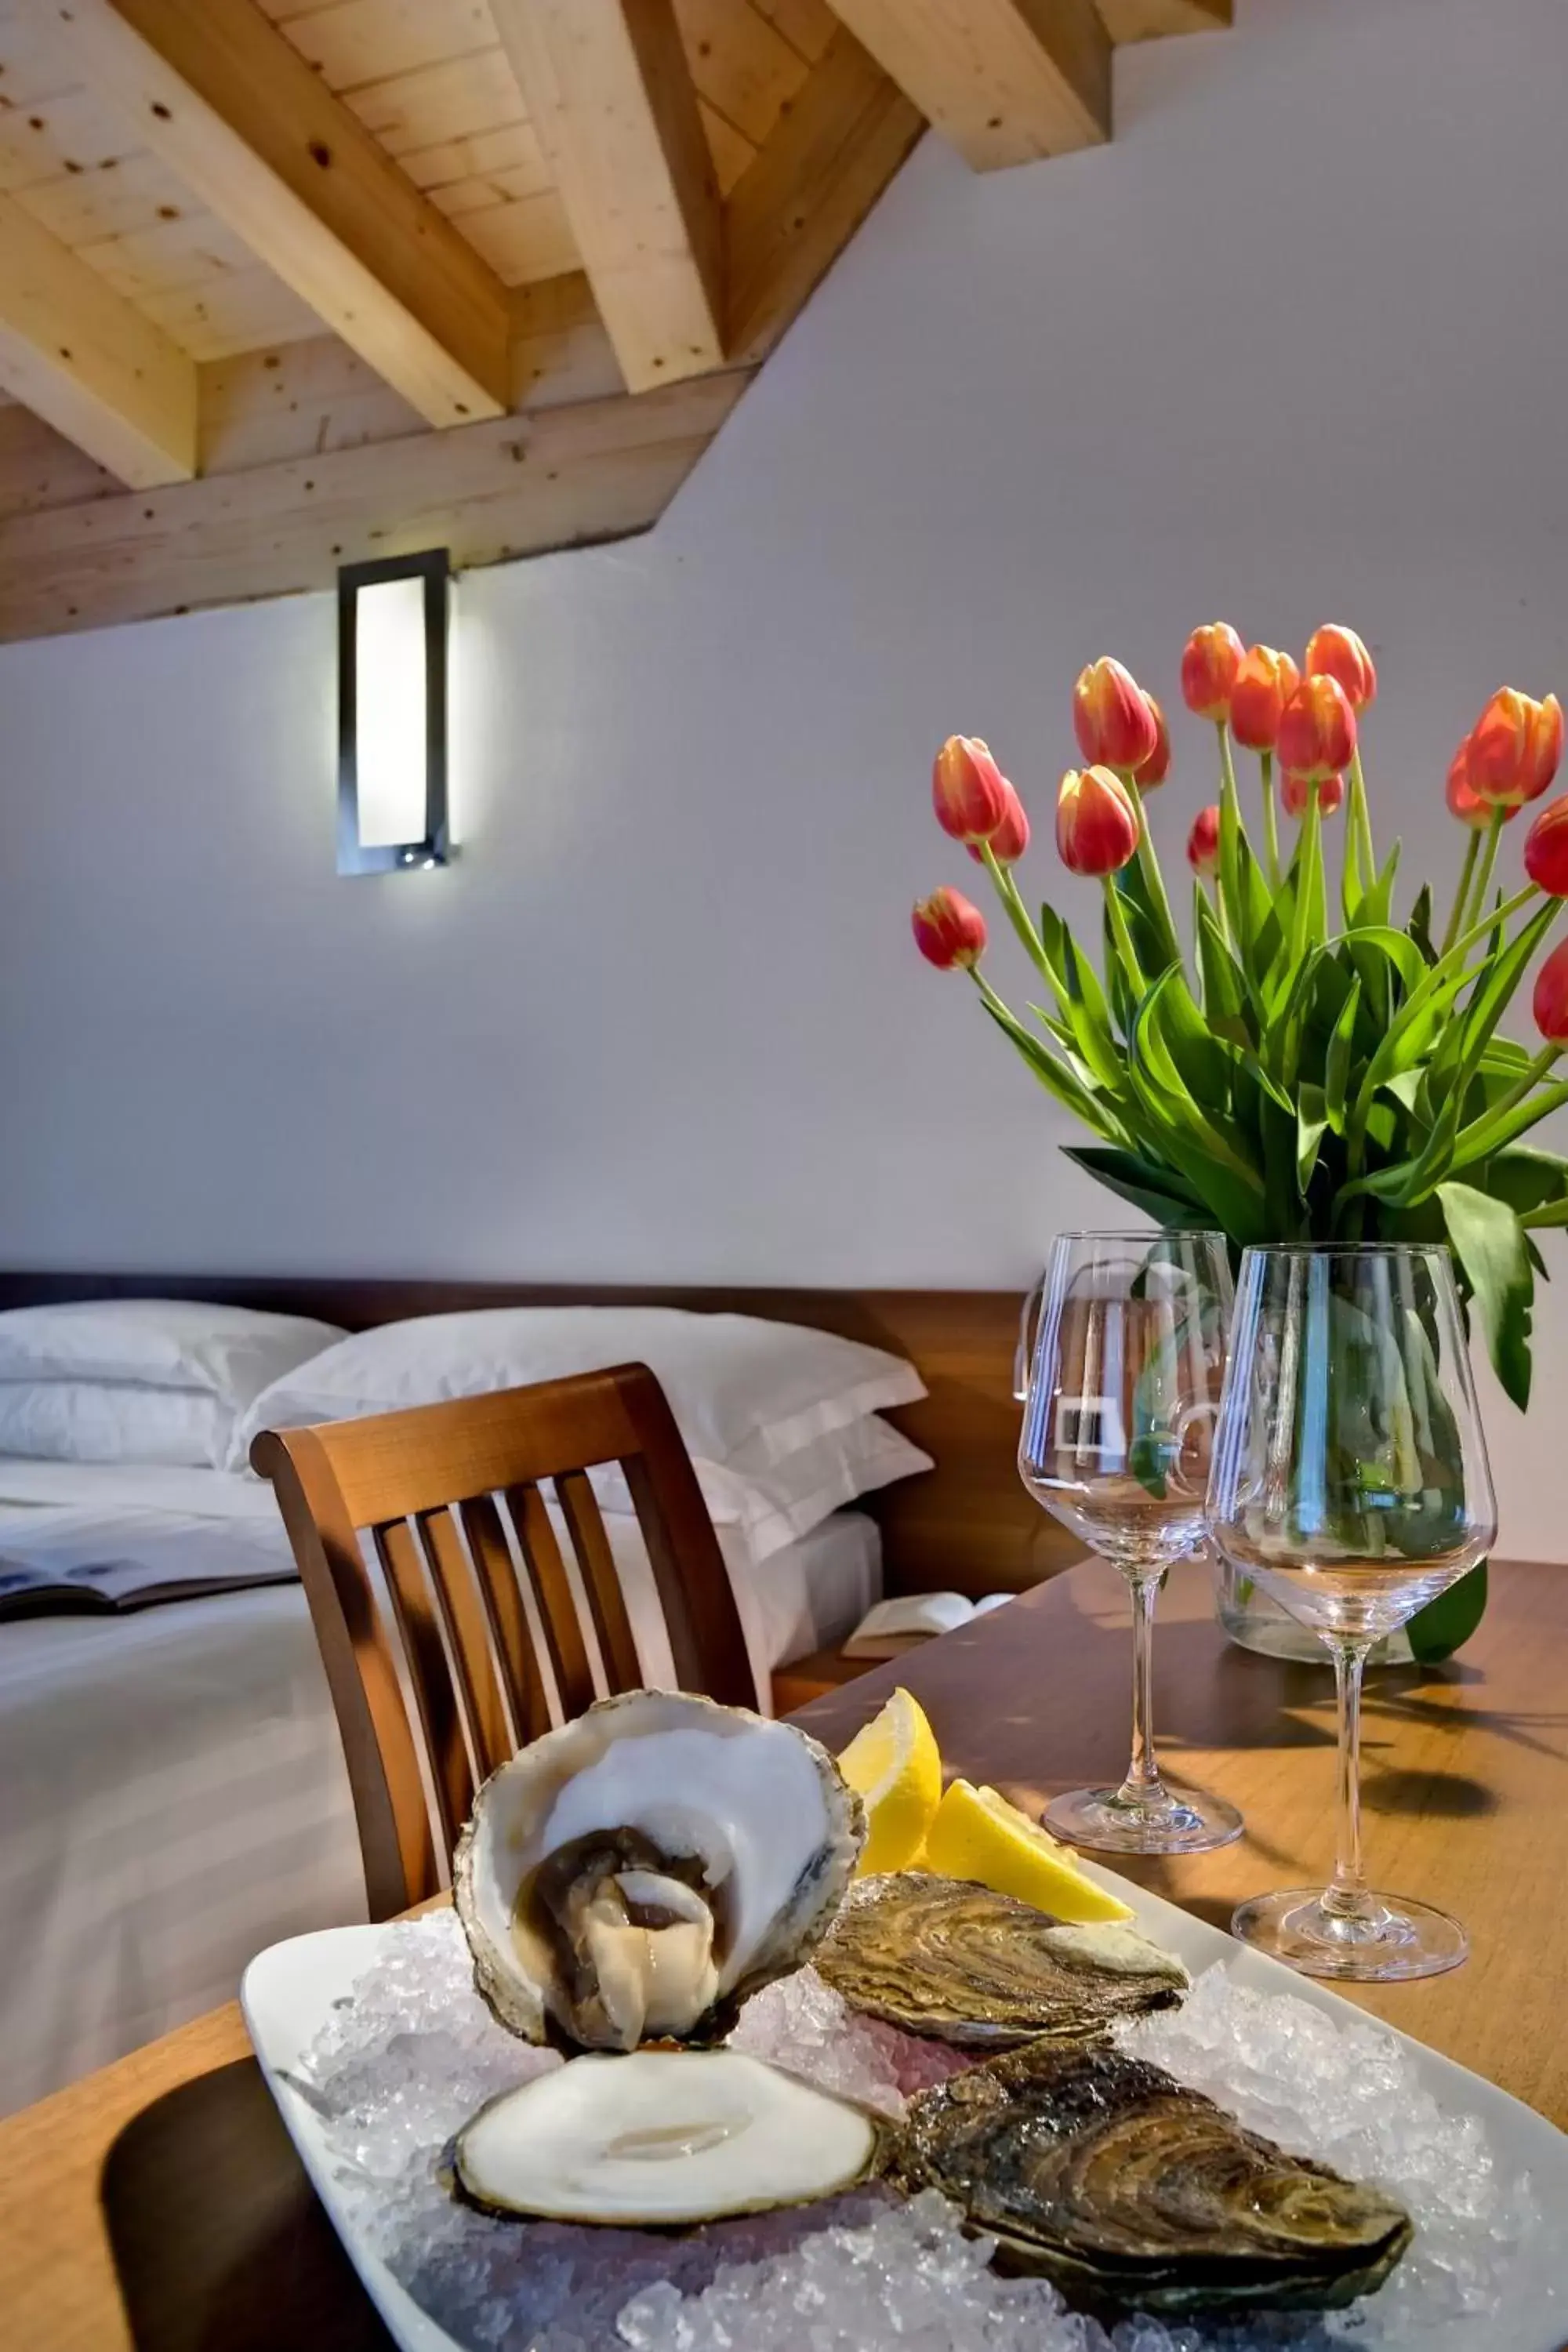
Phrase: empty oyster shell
(661, 2138)
(636, 1874)
(950, 1959)
(1100, 2171)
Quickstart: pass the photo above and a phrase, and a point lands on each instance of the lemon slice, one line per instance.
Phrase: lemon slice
(895, 1766)
(977, 1835)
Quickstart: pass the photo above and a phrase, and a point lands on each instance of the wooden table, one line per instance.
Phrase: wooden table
(158, 2205)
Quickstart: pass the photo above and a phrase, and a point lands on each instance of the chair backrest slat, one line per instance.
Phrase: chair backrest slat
(553, 1590)
(601, 1580)
(467, 1624)
(496, 1570)
(413, 1607)
(487, 1633)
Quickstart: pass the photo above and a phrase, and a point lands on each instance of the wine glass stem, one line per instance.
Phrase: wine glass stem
(1346, 1896)
(1143, 1784)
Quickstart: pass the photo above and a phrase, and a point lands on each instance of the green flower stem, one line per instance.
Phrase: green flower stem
(1501, 1124)
(1518, 1091)
(1122, 936)
(1461, 896)
(1153, 881)
(1226, 769)
(1476, 931)
(1270, 821)
(1477, 907)
(1018, 915)
(1307, 849)
(1361, 817)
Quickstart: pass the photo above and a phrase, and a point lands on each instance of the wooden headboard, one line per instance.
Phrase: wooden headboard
(968, 1525)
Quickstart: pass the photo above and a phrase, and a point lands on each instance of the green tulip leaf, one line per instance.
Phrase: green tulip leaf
(1370, 911)
(1419, 926)
(1337, 1067)
(1527, 1179)
(1446, 1623)
(1311, 1121)
(1489, 1243)
(1158, 1190)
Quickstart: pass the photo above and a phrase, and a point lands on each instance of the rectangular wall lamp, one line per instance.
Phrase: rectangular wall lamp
(392, 713)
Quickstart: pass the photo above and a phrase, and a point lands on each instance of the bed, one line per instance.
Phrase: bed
(175, 1795)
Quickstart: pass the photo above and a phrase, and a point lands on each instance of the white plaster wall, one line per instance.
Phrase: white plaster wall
(1293, 348)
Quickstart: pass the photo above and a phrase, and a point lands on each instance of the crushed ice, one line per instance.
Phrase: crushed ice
(408, 2058)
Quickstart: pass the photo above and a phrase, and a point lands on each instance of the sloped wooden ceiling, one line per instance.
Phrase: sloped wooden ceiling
(287, 283)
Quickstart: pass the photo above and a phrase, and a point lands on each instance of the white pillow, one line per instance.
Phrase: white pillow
(228, 1352)
(749, 1396)
(776, 1506)
(113, 1421)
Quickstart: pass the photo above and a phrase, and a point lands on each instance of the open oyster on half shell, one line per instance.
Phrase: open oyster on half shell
(635, 1874)
(946, 1959)
(1105, 2174)
(660, 2139)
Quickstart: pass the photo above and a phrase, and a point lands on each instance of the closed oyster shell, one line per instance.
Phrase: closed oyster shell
(952, 1960)
(1102, 2172)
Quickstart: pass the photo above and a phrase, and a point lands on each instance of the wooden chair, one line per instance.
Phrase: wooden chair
(430, 1486)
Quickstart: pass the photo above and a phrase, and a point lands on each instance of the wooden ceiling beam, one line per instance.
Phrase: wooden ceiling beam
(1004, 81)
(799, 203)
(218, 93)
(608, 90)
(86, 360)
(565, 477)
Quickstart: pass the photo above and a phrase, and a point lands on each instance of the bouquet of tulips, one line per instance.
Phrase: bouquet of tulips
(1311, 1072)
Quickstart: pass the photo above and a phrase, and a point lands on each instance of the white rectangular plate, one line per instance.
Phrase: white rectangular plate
(288, 1991)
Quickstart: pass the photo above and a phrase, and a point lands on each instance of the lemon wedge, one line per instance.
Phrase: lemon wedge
(894, 1764)
(976, 1833)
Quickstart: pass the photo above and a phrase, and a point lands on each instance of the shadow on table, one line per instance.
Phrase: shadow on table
(219, 2244)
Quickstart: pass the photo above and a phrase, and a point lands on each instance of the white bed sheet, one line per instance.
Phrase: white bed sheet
(175, 1795)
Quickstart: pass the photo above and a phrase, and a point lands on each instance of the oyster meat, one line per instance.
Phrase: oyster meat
(952, 1960)
(661, 2138)
(635, 1874)
(1109, 2176)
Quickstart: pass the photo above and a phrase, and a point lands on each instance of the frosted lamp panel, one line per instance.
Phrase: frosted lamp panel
(390, 713)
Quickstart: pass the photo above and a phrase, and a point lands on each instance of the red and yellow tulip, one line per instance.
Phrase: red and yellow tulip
(949, 930)
(1112, 717)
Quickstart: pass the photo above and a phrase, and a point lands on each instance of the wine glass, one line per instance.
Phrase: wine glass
(1116, 1426)
(1350, 1477)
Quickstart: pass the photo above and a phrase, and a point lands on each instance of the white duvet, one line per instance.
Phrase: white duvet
(173, 1791)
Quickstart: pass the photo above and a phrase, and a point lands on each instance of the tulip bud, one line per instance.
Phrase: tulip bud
(1339, 654)
(1293, 791)
(1011, 839)
(1210, 660)
(1203, 842)
(1515, 746)
(1157, 766)
(1112, 717)
(1097, 822)
(1550, 1004)
(1264, 684)
(1464, 801)
(1546, 850)
(1316, 731)
(968, 789)
(949, 931)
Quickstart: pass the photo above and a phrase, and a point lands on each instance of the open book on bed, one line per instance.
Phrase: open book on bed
(909, 1618)
(55, 1562)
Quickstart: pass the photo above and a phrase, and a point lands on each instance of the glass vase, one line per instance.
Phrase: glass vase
(1253, 1620)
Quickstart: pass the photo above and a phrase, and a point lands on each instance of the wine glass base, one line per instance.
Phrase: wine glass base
(1179, 1821)
(1402, 1938)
